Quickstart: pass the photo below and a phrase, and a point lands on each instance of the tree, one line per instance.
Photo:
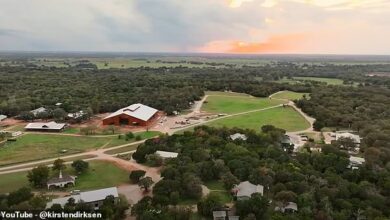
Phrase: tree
(136, 175)
(256, 205)
(20, 195)
(154, 160)
(38, 176)
(80, 166)
(59, 164)
(145, 183)
(208, 204)
(59, 114)
(229, 180)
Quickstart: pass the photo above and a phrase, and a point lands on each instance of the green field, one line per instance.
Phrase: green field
(282, 117)
(301, 80)
(100, 174)
(289, 95)
(235, 103)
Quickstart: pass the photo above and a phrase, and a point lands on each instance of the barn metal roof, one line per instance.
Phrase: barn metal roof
(138, 110)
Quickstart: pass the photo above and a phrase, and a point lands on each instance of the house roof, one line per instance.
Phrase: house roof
(138, 110)
(238, 136)
(247, 189)
(357, 160)
(38, 110)
(219, 214)
(62, 178)
(2, 117)
(354, 137)
(166, 154)
(87, 197)
(45, 126)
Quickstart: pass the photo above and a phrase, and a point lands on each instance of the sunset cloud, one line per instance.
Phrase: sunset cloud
(274, 44)
(223, 26)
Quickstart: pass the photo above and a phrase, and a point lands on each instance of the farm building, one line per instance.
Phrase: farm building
(49, 126)
(93, 198)
(136, 114)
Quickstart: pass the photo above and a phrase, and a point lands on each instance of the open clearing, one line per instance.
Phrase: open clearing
(282, 117)
(100, 174)
(289, 95)
(230, 103)
(299, 80)
(36, 146)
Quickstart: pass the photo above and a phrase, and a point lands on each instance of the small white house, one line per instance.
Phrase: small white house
(244, 190)
(49, 126)
(354, 137)
(355, 162)
(166, 154)
(289, 207)
(238, 136)
(38, 110)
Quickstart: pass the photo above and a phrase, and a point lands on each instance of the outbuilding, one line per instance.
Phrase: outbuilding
(49, 126)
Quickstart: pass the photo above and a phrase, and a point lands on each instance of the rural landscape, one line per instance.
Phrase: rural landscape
(310, 142)
(195, 109)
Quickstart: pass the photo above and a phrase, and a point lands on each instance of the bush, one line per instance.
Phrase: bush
(138, 138)
(136, 175)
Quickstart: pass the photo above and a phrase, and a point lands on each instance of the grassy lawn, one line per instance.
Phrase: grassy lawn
(235, 103)
(215, 185)
(144, 135)
(100, 175)
(122, 149)
(289, 95)
(13, 181)
(30, 147)
(283, 117)
(329, 81)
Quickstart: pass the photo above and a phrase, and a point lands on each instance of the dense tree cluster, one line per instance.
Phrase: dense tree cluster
(320, 183)
(363, 109)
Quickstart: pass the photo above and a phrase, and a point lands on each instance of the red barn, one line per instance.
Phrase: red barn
(136, 114)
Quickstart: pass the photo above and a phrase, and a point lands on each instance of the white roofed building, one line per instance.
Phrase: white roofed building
(245, 190)
(135, 114)
(354, 137)
(238, 136)
(355, 162)
(2, 117)
(45, 126)
(38, 110)
(94, 198)
(166, 154)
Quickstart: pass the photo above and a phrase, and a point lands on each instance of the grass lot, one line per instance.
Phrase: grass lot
(329, 81)
(100, 174)
(230, 104)
(289, 95)
(283, 117)
(31, 147)
(42, 146)
(300, 80)
(122, 149)
(214, 185)
(144, 135)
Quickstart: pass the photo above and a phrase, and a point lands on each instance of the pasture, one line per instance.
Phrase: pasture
(289, 95)
(282, 117)
(230, 103)
(303, 79)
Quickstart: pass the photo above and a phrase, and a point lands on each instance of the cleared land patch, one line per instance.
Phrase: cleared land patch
(302, 79)
(282, 117)
(230, 104)
(289, 95)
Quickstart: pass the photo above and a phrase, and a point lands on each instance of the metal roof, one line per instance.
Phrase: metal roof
(247, 189)
(38, 110)
(138, 110)
(238, 136)
(87, 197)
(45, 126)
(356, 138)
(166, 154)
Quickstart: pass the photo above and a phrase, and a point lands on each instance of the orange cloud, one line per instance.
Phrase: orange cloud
(274, 44)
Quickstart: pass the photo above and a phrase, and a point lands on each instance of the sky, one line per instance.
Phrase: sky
(204, 26)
